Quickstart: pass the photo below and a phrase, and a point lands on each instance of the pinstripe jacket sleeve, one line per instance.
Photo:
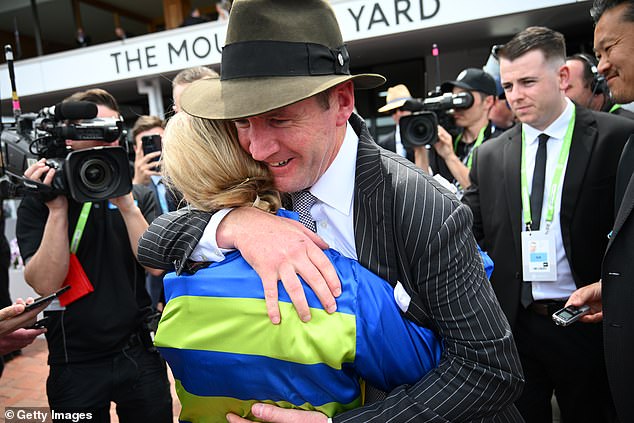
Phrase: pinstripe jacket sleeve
(409, 229)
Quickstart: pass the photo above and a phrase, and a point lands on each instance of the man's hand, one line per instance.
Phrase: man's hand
(13, 317)
(444, 146)
(590, 295)
(280, 249)
(144, 168)
(43, 173)
(272, 414)
(125, 203)
(18, 339)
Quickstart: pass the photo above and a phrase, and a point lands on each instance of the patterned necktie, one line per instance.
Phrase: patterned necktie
(302, 203)
(537, 200)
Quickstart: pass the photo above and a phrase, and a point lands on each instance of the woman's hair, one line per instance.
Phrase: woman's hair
(204, 161)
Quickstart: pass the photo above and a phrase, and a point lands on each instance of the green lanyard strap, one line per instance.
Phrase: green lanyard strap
(477, 142)
(556, 181)
(79, 229)
(614, 108)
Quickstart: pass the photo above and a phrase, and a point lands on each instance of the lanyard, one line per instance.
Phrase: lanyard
(614, 108)
(477, 142)
(554, 185)
(79, 229)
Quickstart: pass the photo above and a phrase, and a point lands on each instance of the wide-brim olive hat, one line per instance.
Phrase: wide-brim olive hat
(277, 52)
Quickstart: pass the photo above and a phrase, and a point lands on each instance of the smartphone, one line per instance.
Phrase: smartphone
(570, 314)
(150, 144)
(46, 299)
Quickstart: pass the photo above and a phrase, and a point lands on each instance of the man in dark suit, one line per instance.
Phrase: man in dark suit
(611, 298)
(541, 196)
(367, 203)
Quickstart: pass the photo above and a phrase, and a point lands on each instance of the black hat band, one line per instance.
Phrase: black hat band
(259, 58)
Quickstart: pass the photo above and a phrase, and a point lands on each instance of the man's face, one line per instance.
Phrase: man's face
(534, 88)
(102, 112)
(298, 142)
(398, 114)
(578, 90)
(478, 111)
(614, 47)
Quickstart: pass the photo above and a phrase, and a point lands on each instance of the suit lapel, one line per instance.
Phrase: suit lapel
(584, 137)
(512, 159)
(627, 205)
(373, 208)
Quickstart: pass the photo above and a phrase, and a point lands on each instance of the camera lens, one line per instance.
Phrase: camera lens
(95, 174)
(418, 129)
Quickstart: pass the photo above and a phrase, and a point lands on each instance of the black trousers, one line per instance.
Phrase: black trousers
(567, 361)
(135, 379)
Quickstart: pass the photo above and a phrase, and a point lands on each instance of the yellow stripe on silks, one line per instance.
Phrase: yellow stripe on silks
(213, 409)
(241, 325)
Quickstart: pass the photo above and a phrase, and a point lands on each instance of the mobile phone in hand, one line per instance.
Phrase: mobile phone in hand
(46, 299)
(150, 144)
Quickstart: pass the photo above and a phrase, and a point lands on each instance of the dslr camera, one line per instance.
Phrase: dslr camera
(421, 127)
(92, 174)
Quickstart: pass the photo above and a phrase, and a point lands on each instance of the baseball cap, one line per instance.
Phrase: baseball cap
(472, 79)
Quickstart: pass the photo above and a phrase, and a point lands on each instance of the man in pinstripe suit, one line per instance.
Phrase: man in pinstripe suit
(371, 205)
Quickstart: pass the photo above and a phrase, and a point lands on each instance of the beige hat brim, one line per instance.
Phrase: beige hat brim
(393, 105)
(244, 97)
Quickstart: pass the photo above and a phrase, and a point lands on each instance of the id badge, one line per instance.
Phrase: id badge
(539, 256)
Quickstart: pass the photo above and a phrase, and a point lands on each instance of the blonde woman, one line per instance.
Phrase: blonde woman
(215, 332)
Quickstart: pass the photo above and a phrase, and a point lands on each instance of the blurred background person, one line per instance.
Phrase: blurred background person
(194, 17)
(186, 77)
(395, 99)
(588, 88)
(81, 38)
(223, 7)
(149, 130)
(501, 115)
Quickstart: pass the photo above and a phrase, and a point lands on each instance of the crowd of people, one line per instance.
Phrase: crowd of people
(302, 271)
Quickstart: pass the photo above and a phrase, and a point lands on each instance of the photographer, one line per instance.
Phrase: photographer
(147, 134)
(451, 157)
(99, 347)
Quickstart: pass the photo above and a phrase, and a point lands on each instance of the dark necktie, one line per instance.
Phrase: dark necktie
(539, 178)
(537, 199)
(302, 203)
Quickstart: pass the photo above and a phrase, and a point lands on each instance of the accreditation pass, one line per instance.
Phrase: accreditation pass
(539, 256)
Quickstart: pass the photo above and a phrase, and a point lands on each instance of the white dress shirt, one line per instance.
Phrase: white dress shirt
(565, 284)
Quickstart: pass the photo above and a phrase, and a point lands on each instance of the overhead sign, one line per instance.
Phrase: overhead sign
(172, 50)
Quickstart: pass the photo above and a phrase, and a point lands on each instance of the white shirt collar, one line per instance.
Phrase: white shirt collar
(339, 174)
(556, 130)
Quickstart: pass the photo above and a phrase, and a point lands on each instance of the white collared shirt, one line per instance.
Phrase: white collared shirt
(335, 192)
(565, 284)
(332, 213)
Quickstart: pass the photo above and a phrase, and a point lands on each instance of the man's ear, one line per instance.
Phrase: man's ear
(342, 97)
(564, 77)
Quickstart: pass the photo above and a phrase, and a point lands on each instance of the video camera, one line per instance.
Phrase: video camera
(92, 174)
(421, 127)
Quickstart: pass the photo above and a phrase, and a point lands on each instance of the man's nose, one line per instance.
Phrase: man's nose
(262, 143)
